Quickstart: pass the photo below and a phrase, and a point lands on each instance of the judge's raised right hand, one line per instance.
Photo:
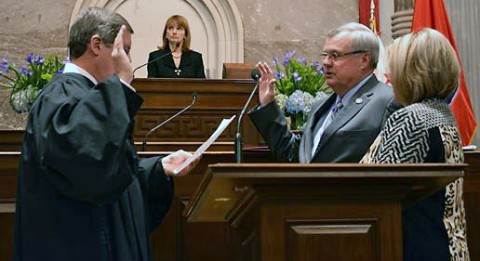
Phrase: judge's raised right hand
(266, 88)
(121, 60)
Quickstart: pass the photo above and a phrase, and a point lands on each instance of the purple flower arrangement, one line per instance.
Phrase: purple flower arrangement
(26, 82)
(299, 84)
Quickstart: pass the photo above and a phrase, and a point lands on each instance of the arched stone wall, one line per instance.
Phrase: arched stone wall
(216, 26)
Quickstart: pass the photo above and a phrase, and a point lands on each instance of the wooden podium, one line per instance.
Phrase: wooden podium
(317, 211)
(217, 99)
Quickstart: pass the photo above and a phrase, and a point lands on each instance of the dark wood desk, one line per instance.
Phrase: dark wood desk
(11, 140)
(471, 196)
(178, 239)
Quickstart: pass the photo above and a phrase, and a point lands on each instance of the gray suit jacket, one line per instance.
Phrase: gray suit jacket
(346, 139)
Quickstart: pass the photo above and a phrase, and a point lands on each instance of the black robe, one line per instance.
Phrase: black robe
(83, 194)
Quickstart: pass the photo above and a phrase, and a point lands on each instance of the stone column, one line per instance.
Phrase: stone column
(402, 17)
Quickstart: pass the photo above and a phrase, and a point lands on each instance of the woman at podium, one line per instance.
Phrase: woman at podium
(175, 59)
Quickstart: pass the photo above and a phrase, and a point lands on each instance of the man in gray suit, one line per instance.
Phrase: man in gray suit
(341, 127)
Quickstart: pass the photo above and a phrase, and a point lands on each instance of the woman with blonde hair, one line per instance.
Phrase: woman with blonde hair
(424, 72)
(175, 59)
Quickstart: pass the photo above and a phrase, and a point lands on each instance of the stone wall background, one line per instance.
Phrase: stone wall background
(28, 26)
(274, 27)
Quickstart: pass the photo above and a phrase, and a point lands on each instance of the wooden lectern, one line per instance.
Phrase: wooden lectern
(316, 211)
(237, 70)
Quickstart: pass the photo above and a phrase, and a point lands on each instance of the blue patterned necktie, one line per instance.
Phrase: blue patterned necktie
(319, 131)
(337, 108)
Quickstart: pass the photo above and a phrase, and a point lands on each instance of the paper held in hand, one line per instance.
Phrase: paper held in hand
(223, 125)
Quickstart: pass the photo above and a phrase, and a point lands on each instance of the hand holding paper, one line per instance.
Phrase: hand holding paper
(198, 153)
(175, 160)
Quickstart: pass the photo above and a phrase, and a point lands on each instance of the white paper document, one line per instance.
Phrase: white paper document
(223, 125)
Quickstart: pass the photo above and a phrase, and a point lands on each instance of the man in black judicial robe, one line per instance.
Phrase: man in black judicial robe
(83, 193)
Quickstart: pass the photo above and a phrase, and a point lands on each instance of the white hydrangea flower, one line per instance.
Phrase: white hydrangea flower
(319, 96)
(281, 100)
(308, 98)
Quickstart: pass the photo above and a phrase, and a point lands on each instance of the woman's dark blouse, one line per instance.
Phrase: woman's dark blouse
(191, 65)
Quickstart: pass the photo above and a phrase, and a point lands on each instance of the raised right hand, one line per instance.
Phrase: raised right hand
(266, 87)
(121, 60)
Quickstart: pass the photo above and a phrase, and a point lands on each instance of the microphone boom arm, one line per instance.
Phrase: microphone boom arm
(255, 74)
(175, 46)
(144, 143)
(245, 107)
(238, 135)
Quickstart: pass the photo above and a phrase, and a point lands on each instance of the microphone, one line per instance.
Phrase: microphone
(175, 46)
(255, 74)
(144, 143)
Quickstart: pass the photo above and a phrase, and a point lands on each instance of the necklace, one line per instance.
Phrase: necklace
(177, 56)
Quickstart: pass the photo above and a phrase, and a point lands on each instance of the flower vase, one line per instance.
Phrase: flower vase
(297, 121)
(22, 100)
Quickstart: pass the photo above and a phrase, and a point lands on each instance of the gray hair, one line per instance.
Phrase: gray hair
(91, 21)
(362, 39)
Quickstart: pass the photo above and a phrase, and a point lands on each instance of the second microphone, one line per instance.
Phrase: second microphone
(144, 143)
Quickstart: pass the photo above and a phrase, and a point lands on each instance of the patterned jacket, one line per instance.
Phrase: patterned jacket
(427, 132)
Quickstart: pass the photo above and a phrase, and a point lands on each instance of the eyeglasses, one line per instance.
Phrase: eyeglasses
(336, 56)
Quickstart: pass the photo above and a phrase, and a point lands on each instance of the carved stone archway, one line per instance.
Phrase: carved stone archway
(220, 21)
